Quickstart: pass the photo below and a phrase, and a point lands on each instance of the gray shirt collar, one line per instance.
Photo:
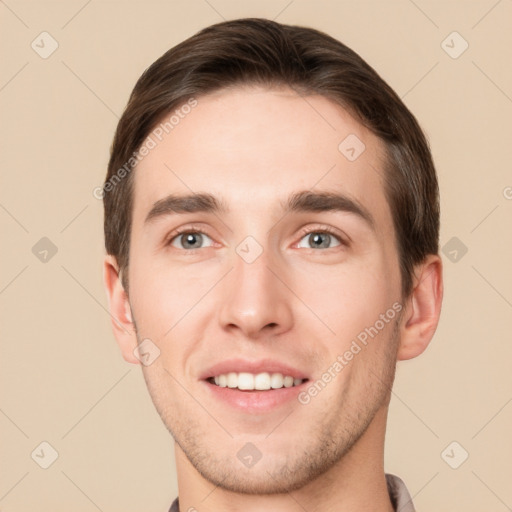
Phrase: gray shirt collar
(400, 497)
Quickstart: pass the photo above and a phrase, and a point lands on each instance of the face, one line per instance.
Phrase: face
(283, 277)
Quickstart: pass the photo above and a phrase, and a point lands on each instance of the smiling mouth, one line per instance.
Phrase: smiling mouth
(264, 381)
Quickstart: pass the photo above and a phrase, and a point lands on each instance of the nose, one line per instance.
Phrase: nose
(255, 300)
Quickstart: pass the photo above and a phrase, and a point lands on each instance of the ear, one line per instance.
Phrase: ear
(423, 309)
(120, 311)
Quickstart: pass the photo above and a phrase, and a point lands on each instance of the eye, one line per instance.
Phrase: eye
(320, 239)
(189, 240)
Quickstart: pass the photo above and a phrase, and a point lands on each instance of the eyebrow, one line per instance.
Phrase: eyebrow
(303, 201)
(190, 203)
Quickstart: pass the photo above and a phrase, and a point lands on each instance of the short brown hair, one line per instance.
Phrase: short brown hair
(263, 52)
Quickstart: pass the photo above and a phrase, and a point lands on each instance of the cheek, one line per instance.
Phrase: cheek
(156, 300)
(169, 301)
(346, 298)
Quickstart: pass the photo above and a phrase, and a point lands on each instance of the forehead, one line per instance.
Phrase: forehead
(253, 147)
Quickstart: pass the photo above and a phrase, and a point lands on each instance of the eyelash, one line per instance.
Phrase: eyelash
(323, 230)
(304, 232)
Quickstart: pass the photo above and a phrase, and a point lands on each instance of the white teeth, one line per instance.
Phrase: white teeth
(276, 380)
(232, 380)
(288, 382)
(261, 381)
(245, 381)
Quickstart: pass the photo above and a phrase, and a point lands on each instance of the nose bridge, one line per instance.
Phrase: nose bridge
(254, 298)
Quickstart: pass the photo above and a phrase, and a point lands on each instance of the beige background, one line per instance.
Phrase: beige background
(62, 379)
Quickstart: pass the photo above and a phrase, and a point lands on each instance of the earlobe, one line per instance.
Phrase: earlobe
(120, 311)
(421, 315)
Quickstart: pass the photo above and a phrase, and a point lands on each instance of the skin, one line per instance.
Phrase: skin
(295, 303)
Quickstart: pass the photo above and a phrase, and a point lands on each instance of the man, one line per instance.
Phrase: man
(272, 224)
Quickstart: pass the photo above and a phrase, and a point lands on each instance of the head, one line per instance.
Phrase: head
(270, 204)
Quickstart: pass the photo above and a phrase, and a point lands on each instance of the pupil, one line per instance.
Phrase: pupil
(320, 240)
(190, 239)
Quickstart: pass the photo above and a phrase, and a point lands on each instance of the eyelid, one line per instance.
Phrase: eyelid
(175, 233)
(322, 228)
(318, 228)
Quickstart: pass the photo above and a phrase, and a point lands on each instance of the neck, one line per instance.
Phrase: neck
(356, 482)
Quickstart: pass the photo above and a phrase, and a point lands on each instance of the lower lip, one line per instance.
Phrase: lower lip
(255, 401)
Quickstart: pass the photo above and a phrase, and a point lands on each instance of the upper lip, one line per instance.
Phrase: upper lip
(258, 366)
